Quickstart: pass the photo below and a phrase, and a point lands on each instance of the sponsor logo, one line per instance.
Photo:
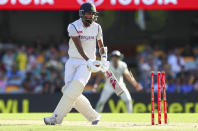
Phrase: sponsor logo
(96, 2)
(145, 2)
(86, 37)
(127, 2)
(26, 2)
(112, 81)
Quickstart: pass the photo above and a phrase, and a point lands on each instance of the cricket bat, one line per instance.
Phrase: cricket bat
(114, 82)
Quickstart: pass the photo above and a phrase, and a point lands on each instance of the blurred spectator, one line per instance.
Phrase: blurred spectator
(40, 57)
(40, 81)
(21, 59)
(146, 52)
(14, 80)
(176, 61)
(140, 47)
(35, 69)
(2, 83)
(172, 85)
(8, 59)
(2, 68)
(186, 87)
(29, 83)
(31, 58)
(47, 88)
(182, 73)
(58, 83)
(54, 63)
(196, 85)
(64, 47)
(14, 76)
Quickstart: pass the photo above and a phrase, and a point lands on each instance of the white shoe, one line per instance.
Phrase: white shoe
(50, 120)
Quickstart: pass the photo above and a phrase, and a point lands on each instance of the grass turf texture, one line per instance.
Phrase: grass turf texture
(109, 122)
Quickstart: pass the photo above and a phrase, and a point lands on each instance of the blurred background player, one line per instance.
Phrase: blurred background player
(119, 68)
(83, 33)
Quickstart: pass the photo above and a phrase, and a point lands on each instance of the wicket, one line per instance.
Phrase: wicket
(161, 83)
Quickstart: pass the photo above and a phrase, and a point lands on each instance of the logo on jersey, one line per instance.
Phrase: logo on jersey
(86, 37)
(96, 2)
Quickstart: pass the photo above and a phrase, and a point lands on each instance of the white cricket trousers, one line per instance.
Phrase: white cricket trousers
(76, 69)
(76, 77)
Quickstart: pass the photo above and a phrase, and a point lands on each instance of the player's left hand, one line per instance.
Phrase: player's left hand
(93, 65)
(105, 65)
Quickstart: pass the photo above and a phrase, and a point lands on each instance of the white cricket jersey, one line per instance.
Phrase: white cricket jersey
(88, 37)
(119, 71)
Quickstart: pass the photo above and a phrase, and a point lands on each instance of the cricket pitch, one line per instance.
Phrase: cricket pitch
(109, 122)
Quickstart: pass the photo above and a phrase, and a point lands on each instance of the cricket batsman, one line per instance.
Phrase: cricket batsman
(83, 34)
(119, 69)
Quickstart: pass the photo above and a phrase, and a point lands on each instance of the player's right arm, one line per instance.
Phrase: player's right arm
(78, 45)
(75, 37)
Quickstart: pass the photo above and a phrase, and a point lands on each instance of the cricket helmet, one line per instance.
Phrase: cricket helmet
(117, 53)
(88, 7)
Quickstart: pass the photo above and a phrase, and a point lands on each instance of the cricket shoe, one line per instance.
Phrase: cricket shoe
(50, 120)
(95, 122)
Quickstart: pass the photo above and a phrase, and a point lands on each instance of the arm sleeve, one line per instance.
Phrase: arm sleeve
(99, 36)
(72, 31)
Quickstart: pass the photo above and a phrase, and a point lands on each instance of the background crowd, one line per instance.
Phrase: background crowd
(180, 64)
(38, 68)
(32, 69)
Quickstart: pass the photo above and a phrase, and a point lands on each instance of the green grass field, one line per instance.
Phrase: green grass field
(109, 122)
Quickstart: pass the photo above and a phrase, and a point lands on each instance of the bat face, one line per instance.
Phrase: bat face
(111, 79)
(114, 83)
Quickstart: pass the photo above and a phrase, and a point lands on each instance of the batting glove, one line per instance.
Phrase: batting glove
(93, 65)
